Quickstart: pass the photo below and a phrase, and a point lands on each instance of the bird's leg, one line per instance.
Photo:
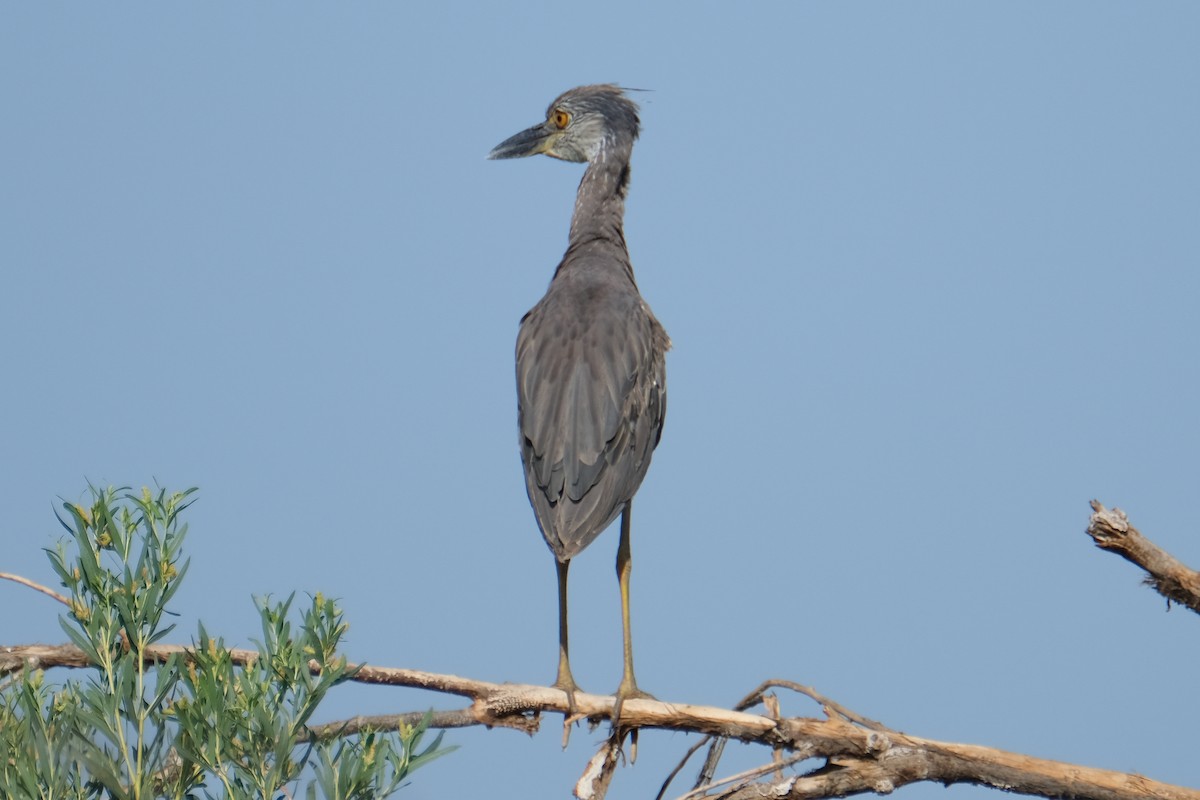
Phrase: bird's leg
(628, 687)
(564, 681)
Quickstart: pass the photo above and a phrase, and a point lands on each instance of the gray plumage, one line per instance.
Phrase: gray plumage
(591, 375)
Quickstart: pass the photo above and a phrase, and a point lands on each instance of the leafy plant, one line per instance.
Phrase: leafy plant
(145, 725)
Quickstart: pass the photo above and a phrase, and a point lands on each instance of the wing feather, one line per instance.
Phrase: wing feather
(591, 399)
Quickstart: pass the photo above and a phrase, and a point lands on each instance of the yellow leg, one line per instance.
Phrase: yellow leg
(628, 687)
(565, 681)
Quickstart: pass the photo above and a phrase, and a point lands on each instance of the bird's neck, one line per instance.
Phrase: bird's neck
(600, 203)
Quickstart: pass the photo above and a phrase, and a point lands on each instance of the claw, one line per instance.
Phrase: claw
(566, 684)
(627, 691)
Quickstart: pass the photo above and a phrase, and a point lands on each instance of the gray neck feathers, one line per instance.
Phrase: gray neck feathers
(600, 202)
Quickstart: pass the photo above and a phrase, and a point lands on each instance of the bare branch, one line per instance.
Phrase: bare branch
(1169, 577)
(679, 768)
(598, 774)
(828, 706)
(742, 779)
(43, 656)
(860, 755)
(911, 759)
(389, 722)
(8, 576)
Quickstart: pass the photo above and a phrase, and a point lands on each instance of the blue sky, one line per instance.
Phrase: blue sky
(931, 274)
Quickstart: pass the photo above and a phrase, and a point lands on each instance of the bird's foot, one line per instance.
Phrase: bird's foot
(628, 691)
(566, 684)
(568, 687)
(625, 692)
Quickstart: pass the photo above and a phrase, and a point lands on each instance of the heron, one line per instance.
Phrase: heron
(591, 371)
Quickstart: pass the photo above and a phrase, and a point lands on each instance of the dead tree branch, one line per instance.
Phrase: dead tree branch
(857, 754)
(1170, 577)
(860, 755)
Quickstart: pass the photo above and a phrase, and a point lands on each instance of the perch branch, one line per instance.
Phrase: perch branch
(1170, 577)
(858, 758)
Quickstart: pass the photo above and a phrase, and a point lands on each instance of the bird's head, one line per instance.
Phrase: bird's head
(577, 124)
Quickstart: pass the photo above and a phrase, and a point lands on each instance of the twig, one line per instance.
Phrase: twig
(771, 701)
(744, 777)
(389, 722)
(830, 707)
(709, 768)
(8, 576)
(827, 705)
(679, 767)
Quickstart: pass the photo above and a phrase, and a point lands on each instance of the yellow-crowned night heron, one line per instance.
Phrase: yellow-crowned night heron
(591, 377)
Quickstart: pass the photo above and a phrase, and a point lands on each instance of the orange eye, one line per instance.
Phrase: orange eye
(561, 119)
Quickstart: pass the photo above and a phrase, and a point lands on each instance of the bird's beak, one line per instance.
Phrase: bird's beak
(529, 142)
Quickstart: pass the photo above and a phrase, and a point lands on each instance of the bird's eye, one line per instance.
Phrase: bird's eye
(561, 119)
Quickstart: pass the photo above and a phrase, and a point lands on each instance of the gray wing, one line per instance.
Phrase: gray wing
(591, 396)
